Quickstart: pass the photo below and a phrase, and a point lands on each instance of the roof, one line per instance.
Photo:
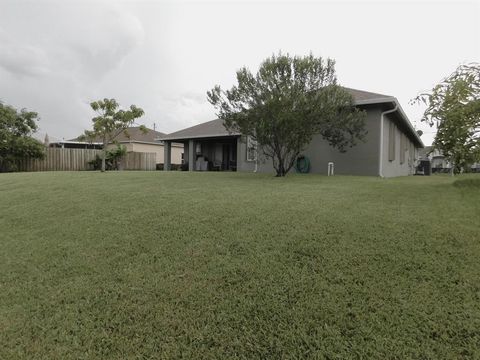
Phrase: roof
(215, 128)
(135, 135)
(361, 96)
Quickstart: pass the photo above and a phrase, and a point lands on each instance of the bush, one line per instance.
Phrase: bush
(112, 159)
(173, 167)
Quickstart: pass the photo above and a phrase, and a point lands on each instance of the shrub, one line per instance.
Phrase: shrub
(112, 160)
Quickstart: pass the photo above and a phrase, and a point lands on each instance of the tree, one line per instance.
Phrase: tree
(285, 103)
(111, 122)
(112, 159)
(454, 107)
(16, 128)
(114, 155)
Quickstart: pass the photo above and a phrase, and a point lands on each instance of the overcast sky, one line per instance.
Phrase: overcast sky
(57, 56)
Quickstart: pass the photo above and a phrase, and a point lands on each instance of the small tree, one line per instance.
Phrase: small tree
(285, 103)
(454, 106)
(114, 155)
(111, 122)
(16, 143)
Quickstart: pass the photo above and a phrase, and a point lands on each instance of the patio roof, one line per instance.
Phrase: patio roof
(209, 129)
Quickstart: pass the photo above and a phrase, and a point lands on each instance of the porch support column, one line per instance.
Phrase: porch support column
(167, 155)
(191, 153)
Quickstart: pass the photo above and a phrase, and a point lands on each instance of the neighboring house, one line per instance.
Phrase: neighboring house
(437, 159)
(149, 142)
(136, 141)
(439, 162)
(390, 147)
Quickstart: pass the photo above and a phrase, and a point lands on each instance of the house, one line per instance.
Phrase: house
(136, 141)
(75, 144)
(390, 148)
(439, 162)
(139, 141)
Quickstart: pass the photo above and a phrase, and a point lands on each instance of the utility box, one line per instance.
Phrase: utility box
(424, 168)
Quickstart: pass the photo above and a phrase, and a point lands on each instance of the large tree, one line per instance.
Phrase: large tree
(454, 107)
(285, 103)
(111, 122)
(16, 142)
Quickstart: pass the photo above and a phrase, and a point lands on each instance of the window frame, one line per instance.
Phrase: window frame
(251, 149)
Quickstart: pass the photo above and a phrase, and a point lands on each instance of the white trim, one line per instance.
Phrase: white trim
(198, 137)
(145, 142)
(375, 101)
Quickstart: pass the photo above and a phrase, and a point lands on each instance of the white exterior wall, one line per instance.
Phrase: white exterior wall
(394, 167)
(177, 150)
(176, 157)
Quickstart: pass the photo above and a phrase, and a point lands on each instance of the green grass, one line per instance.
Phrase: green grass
(140, 265)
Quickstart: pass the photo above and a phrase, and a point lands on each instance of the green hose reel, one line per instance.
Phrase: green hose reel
(302, 165)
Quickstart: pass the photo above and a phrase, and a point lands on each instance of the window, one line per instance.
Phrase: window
(411, 154)
(402, 148)
(391, 141)
(251, 149)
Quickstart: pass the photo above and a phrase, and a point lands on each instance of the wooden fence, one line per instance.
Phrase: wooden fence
(139, 161)
(57, 159)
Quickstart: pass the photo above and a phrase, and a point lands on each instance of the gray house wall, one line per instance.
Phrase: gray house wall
(264, 165)
(362, 159)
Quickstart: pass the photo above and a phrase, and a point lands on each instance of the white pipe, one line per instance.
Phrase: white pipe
(380, 164)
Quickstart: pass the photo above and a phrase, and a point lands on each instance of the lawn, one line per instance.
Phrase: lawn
(150, 265)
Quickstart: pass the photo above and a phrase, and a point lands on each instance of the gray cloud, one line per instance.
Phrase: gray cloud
(22, 59)
(57, 56)
(98, 42)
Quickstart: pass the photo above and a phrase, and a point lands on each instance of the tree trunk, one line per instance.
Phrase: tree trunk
(281, 169)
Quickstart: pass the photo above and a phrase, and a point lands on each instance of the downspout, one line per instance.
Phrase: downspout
(380, 164)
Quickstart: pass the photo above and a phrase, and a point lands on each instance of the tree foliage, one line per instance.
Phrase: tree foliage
(285, 103)
(16, 143)
(111, 122)
(112, 159)
(454, 107)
